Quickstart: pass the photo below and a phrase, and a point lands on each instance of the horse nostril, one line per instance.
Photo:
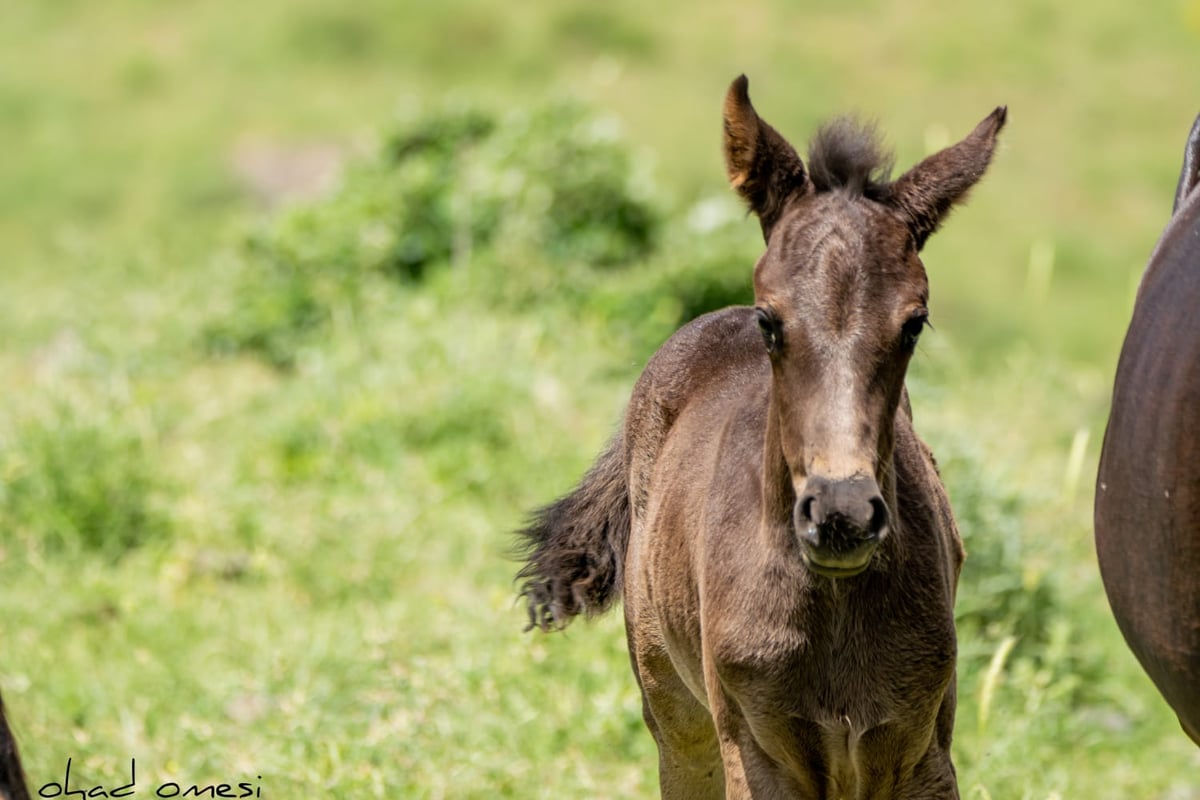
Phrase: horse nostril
(879, 516)
(806, 509)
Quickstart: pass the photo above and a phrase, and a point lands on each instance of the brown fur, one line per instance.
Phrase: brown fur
(785, 547)
(1147, 512)
(12, 777)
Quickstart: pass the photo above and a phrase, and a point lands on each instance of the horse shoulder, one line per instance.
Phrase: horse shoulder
(711, 350)
(673, 434)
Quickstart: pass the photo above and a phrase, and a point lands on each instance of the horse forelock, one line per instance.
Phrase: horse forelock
(848, 154)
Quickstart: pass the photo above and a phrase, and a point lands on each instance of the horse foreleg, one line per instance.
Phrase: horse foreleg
(689, 761)
(750, 772)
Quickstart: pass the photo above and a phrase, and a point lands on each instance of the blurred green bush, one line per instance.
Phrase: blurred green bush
(522, 193)
(535, 211)
(999, 594)
(81, 479)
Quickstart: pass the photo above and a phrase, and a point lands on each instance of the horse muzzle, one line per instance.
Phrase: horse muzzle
(840, 524)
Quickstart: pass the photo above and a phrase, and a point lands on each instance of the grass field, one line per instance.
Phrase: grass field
(263, 438)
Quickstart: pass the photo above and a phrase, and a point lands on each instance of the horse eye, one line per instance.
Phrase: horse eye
(912, 329)
(769, 327)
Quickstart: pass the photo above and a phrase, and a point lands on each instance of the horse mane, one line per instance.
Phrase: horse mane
(847, 154)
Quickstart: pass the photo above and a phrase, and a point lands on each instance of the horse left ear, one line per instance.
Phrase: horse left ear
(926, 193)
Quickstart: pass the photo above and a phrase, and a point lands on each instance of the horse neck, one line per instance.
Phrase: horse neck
(778, 496)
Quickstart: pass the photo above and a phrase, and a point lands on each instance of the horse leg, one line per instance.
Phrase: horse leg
(750, 772)
(689, 761)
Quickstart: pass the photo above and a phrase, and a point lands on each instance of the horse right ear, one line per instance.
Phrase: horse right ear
(764, 169)
(926, 193)
(1189, 176)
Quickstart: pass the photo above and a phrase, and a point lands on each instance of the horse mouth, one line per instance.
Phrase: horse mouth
(840, 562)
(835, 571)
(838, 547)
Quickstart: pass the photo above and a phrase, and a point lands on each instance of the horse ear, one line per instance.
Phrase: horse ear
(926, 193)
(764, 169)
(1189, 176)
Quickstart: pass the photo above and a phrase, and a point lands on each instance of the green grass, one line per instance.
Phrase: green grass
(256, 499)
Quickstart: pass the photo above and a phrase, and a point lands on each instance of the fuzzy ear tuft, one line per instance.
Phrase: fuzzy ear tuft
(927, 192)
(764, 169)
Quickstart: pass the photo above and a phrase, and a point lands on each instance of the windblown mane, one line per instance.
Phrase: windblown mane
(847, 154)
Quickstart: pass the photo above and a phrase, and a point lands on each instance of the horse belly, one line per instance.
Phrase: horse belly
(1148, 549)
(1147, 508)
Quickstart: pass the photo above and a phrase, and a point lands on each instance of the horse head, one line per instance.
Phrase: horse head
(841, 298)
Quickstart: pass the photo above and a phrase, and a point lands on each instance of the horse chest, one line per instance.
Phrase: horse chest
(847, 716)
(843, 670)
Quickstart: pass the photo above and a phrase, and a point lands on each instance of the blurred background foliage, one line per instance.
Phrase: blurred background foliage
(306, 304)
